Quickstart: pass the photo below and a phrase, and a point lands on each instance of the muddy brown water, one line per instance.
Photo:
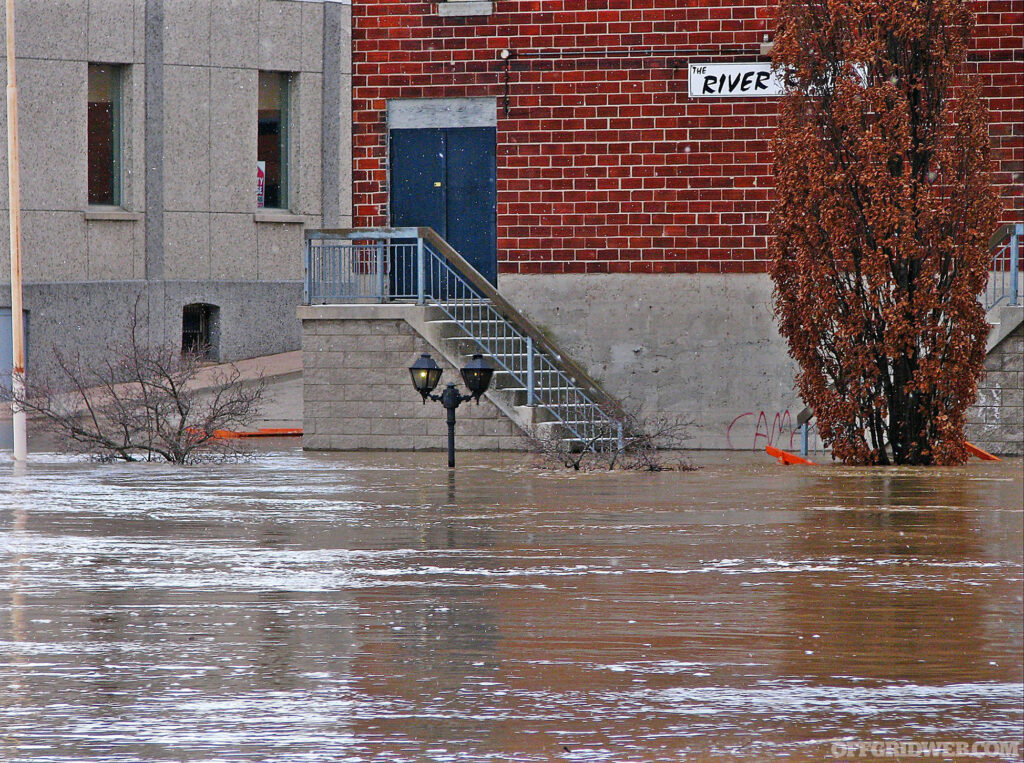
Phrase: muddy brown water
(375, 607)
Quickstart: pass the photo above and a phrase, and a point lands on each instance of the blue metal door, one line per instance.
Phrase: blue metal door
(446, 179)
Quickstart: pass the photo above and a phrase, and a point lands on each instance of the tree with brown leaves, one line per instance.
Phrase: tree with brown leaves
(883, 210)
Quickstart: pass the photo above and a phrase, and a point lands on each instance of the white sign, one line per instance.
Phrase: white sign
(734, 81)
(261, 183)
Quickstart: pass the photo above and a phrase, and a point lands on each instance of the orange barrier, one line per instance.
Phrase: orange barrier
(974, 450)
(787, 458)
(227, 434)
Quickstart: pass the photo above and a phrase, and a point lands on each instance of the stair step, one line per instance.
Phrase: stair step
(545, 396)
(523, 373)
(469, 320)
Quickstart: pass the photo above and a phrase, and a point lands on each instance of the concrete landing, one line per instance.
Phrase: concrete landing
(282, 400)
(282, 403)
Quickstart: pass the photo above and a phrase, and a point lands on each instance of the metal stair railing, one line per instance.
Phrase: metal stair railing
(417, 264)
(1004, 278)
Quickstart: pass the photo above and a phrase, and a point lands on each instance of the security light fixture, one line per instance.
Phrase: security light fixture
(477, 376)
(426, 374)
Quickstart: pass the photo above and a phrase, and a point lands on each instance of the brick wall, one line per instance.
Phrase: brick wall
(604, 162)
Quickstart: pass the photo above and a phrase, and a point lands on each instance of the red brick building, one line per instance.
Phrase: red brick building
(604, 163)
(625, 214)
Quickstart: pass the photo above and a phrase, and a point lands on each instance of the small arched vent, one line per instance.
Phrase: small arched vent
(200, 330)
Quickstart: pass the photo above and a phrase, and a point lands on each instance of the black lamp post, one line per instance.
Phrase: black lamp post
(425, 376)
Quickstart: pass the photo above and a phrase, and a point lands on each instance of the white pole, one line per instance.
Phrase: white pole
(14, 197)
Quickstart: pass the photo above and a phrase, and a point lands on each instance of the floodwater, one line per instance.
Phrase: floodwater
(375, 607)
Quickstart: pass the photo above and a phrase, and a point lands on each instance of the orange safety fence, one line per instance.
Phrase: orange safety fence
(786, 458)
(227, 434)
(789, 458)
(984, 455)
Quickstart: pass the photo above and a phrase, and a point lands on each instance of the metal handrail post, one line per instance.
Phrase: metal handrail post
(380, 273)
(1015, 264)
(531, 399)
(421, 272)
(803, 439)
(307, 275)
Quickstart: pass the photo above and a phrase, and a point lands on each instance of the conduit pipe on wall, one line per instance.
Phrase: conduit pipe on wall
(710, 52)
(706, 51)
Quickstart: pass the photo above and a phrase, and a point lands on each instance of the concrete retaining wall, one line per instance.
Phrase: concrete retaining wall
(358, 394)
(701, 346)
(996, 421)
(256, 318)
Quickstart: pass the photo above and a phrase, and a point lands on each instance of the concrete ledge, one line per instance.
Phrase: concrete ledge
(286, 218)
(369, 311)
(284, 365)
(442, 112)
(115, 214)
(456, 8)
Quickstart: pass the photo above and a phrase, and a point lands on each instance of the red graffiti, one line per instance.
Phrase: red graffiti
(774, 433)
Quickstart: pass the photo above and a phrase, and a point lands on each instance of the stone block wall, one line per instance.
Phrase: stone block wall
(358, 394)
(996, 421)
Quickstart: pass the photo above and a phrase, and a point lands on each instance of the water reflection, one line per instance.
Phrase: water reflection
(376, 607)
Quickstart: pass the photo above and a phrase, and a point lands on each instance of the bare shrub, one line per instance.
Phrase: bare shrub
(142, 402)
(647, 443)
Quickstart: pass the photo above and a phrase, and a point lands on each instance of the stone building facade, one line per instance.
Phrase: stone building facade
(142, 123)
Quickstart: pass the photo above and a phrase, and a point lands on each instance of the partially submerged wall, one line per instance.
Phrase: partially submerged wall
(704, 347)
(256, 318)
(996, 421)
(358, 393)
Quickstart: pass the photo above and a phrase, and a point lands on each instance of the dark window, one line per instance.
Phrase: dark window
(104, 134)
(272, 141)
(199, 330)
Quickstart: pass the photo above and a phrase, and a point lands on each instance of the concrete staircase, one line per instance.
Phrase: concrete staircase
(1004, 319)
(996, 420)
(552, 405)
(460, 313)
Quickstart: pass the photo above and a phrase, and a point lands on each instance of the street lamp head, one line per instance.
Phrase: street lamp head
(477, 376)
(425, 375)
